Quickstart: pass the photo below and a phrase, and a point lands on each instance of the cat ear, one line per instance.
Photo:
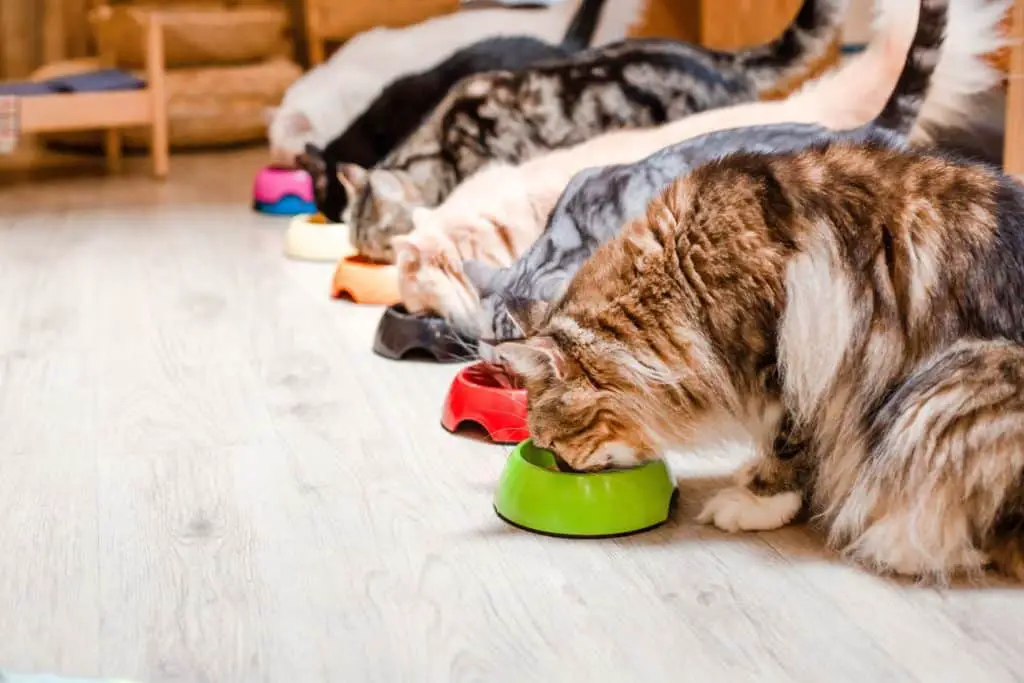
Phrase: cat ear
(533, 357)
(269, 113)
(353, 178)
(527, 314)
(407, 254)
(482, 276)
(640, 242)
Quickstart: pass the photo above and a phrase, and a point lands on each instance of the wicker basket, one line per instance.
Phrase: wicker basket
(224, 105)
(197, 35)
(209, 107)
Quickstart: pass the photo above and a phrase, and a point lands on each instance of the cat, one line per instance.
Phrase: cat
(512, 116)
(516, 201)
(404, 103)
(599, 201)
(858, 306)
(401, 107)
(327, 99)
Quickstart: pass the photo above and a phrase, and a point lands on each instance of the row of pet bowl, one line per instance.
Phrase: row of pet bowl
(533, 493)
(289, 192)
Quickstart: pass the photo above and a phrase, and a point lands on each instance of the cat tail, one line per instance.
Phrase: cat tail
(945, 71)
(583, 25)
(801, 49)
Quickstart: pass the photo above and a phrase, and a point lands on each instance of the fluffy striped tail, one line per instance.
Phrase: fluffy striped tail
(945, 71)
(964, 107)
(794, 54)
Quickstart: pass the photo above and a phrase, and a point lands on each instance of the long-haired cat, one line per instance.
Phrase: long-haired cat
(327, 99)
(858, 306)
(512, 116)
(599, 201)
(406, 102)
(516, 201)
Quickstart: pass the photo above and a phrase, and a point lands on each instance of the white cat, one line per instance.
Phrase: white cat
(322, 103)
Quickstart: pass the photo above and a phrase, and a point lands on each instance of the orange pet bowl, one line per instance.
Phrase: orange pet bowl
(365, 282)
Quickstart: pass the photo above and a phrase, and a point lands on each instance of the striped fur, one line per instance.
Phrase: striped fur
(857, 305)
(512, 116)
(516, 201)
(599, 201)
(405, 102)
(403, 105)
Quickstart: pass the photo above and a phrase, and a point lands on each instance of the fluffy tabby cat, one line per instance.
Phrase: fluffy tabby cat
(406, 102)
(490, 216)
(858, 306)
(511, 116)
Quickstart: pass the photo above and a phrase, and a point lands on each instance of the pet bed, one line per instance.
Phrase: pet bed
(104, 99)
(208, 107)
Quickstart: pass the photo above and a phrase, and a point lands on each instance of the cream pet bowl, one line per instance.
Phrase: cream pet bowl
(311, 238)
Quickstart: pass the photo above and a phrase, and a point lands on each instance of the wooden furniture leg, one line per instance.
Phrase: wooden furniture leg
(1013, 151)
(315, 51)
(112, 138)
(157, 85)
(112, 146)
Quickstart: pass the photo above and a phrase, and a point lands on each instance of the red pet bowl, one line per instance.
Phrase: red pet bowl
(485, 395)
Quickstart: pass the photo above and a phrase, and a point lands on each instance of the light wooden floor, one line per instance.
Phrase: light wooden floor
(205, 475)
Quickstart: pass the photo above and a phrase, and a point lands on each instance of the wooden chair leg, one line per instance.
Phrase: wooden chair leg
(113, 150)
(157, 84)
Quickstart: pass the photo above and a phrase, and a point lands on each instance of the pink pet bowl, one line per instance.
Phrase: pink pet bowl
(283, 191)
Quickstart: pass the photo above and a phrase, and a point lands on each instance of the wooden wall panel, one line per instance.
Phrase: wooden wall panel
(18, 52)
(1013, 151)
(665, 19)
(36, 32)
(720, 24)
(742, 23)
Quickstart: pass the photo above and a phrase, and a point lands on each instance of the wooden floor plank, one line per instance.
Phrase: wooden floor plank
(208, 476)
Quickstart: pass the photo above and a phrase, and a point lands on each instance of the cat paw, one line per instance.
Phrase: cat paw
(737, 509)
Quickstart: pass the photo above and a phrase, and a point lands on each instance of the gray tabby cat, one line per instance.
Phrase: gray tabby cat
(512, 116)
(600, 201)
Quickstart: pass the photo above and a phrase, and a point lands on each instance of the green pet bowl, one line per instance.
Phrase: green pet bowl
(533, 494)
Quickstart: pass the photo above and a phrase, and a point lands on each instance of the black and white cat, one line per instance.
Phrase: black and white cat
(403, 104)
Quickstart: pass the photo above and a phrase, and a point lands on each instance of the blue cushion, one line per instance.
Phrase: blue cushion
(94, 81)
(27, 88)
(99, 81)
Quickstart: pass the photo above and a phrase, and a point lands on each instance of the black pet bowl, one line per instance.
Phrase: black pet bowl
(401, 334)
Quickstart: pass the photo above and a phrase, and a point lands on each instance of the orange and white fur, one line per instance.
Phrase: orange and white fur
(497, 213)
